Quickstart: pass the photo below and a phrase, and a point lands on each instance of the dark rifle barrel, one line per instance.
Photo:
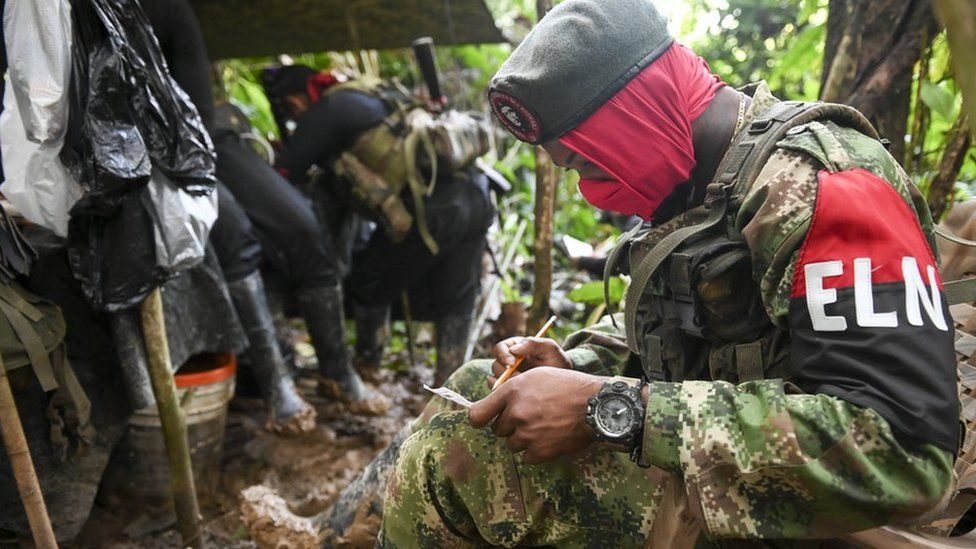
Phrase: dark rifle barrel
(423, 49)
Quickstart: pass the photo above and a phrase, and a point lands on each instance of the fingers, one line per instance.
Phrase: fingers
(516, 444)
(503, 426)
(486, 409)
(502, 351)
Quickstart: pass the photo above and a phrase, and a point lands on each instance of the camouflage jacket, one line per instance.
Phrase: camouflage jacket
(860, 429)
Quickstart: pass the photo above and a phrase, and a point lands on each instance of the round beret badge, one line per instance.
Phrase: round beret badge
(515, 116)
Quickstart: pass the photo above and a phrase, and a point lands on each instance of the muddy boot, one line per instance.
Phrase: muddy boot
(360, 505)
(372, 335)
(325, 318)
(452, 343)
(290, 414)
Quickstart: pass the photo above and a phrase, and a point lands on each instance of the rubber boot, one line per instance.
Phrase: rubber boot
(372, 335)
(325, 319)
(290, 414)
(452, 343)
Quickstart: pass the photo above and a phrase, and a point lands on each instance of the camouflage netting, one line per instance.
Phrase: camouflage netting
(251, 28)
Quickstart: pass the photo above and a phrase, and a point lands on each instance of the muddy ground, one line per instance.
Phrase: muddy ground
(294, 477)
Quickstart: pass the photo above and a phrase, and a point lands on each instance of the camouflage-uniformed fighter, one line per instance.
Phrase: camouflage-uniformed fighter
(796, 371)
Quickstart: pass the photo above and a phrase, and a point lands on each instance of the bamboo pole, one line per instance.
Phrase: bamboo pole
(23, 466)
(171, 417)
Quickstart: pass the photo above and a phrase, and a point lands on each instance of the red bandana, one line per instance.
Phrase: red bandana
(316, 85)
(642, 135)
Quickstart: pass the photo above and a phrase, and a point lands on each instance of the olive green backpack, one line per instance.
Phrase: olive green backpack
(411, 143)
(32, 334)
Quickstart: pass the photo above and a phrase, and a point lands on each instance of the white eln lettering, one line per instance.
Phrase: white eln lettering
(916, 297)
(864, 299)
(819, 297)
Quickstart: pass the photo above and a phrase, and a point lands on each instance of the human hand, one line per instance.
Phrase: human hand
(541, 412)
(535, 351)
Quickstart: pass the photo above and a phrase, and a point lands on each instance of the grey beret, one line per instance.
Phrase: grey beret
(579, 55)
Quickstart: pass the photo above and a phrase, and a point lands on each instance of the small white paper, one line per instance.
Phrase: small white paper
(444, 392)
(577, 248)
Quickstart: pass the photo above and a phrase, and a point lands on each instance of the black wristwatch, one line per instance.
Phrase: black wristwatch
(616, 415)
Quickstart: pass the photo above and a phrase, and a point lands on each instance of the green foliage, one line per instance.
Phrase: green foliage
(591, 293)
(243, 86)
(781, 41)
(940, 99)
(743, 41)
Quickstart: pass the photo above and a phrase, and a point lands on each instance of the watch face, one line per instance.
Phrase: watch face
(615, 415)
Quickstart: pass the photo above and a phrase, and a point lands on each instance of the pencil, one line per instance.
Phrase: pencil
(518, 360)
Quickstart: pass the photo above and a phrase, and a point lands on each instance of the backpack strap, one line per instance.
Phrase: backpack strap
(613, 261)
(946, 234)
(962, 290)
(741, 165)
(959, 291)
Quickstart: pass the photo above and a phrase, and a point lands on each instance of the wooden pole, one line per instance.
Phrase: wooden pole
(23, 466)
(171, 417)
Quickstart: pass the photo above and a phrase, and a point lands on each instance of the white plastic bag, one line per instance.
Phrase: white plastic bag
(181, 222)
(38, 39)
(37, 183)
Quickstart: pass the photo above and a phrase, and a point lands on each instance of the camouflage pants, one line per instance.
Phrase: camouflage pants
(456, 486)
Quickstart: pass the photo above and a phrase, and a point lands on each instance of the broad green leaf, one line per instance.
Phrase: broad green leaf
(591, 293)
(939, 99)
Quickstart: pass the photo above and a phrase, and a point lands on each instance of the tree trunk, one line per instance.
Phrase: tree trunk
(915, 155)
(959, 17)
(545, 200)
(893, 35)
(843, 68)
(957, 143)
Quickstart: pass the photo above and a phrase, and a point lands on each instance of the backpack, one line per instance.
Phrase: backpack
(408, 149)
(32, 334)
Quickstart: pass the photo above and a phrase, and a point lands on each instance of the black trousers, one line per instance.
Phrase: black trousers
(458, 216)
(261, 215)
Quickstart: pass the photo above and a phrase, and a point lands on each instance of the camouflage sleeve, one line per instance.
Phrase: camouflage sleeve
(600, 349)
(827, 452)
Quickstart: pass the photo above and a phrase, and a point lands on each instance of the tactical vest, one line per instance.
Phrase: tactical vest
(693, 309)
(410, 143)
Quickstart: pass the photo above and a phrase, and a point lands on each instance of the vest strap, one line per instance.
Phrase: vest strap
(652, 359)
(749, 361)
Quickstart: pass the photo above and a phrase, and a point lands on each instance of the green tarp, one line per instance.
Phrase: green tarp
(250, 28)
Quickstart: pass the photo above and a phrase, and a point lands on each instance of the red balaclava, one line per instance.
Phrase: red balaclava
(642, 136)
(316, 85)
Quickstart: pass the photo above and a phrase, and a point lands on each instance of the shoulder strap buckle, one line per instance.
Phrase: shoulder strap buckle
(760, 126)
